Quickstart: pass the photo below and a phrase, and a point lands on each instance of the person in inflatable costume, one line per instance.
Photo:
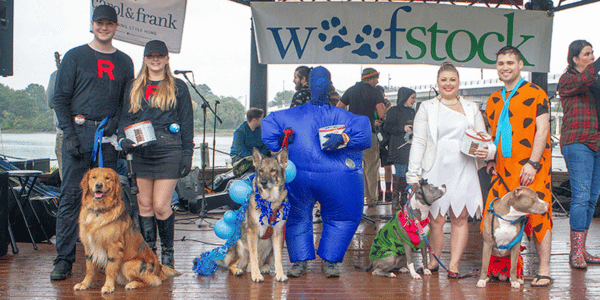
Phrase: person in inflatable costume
(332, 175)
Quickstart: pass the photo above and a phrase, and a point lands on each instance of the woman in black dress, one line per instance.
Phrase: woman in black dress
(156, 96)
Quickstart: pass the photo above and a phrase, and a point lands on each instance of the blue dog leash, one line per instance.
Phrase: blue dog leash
(520, 219)
(97, 152)
(410, 193)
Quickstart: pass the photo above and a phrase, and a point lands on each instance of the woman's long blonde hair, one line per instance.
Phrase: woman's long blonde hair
(164, 98)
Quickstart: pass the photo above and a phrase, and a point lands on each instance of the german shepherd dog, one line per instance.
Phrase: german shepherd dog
(259, 244)
(113, 244)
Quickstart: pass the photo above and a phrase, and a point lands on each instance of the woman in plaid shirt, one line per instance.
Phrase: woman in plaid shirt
(579, 89)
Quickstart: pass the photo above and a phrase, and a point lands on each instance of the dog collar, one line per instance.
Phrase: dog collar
(518, 237)
(266, 211)
(98, 211)
(491, 210)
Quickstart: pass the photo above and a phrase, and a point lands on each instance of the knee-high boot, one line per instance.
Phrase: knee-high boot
(166, 231)
(148, 229)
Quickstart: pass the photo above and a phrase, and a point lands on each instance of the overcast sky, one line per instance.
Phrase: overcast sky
(216, 46)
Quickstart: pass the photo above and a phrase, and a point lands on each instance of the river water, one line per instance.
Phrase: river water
(23, 146)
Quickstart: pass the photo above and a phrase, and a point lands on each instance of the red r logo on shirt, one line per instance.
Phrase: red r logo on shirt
(150, 90)
(106, 66)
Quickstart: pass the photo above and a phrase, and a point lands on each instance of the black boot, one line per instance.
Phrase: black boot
(166, 231)
(402, 186)
(396, 192)
(148, 229)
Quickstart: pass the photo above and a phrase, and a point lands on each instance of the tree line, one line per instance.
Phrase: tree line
(27, 109)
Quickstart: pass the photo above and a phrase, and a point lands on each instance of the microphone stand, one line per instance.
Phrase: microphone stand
(202, 215)
(214, 146)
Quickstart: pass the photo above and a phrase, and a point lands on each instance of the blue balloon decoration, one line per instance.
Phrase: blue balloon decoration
(290, 171)
(240, 191)
(230, 217)
(224, 230)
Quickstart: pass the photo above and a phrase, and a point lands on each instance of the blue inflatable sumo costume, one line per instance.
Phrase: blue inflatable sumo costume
(332, 175)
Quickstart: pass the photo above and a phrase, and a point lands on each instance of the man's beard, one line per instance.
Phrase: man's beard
(298, 86)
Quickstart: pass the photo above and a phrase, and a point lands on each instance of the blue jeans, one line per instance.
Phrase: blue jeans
(401, 169)
(584, 174)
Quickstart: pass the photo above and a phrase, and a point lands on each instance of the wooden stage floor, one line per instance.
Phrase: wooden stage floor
(26, 275)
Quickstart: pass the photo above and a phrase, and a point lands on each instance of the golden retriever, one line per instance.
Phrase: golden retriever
(113, 244)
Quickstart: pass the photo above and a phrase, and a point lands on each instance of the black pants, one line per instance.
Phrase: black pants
(70, 194)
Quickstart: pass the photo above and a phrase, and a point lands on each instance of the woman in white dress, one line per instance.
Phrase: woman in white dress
(435, 155)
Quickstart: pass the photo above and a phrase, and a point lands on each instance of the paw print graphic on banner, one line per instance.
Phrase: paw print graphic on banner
(365, 49)
(336, 41)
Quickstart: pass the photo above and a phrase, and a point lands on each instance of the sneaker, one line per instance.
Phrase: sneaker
(380, 194)
(62, 270)
(388, 195)
(330, 269)
(298, 269)
(178, 207)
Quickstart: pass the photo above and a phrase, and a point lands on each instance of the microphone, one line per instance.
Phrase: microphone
(181, 72)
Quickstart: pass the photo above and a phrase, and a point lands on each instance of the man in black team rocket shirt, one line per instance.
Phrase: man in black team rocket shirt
(88, 99)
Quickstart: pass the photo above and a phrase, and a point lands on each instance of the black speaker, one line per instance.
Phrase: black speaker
(189, 187)
(6, 37)
(4, 209)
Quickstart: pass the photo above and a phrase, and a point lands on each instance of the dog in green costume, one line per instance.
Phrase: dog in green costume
(400, 236)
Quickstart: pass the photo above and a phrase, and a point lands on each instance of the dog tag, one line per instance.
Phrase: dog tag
(350, 163)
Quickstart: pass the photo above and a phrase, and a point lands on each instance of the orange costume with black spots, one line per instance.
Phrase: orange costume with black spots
(529, 102)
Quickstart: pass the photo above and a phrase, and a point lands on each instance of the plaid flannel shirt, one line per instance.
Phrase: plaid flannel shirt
(580, 121)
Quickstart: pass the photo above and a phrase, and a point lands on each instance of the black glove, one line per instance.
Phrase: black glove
(110, 127)
(334, 141)
(73, 146)
(186, 165)
(282, 136)
(127, 145)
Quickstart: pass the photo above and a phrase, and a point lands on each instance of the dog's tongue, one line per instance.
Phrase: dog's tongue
(98, 195)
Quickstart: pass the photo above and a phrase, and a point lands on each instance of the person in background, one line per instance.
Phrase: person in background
(176, 205)
(579, 90)
(248, 136)
(519, 120)
(334, 96)
(88, 96)
(364, 99)
(435, 155)
(156, 96)
(398, 126)
(59, 132)
(302, 94)
(384, 140)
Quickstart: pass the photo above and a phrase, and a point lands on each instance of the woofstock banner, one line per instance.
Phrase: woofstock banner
(141, 21)
(398, 33)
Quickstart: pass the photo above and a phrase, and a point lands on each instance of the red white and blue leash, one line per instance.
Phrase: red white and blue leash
(410, 193)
